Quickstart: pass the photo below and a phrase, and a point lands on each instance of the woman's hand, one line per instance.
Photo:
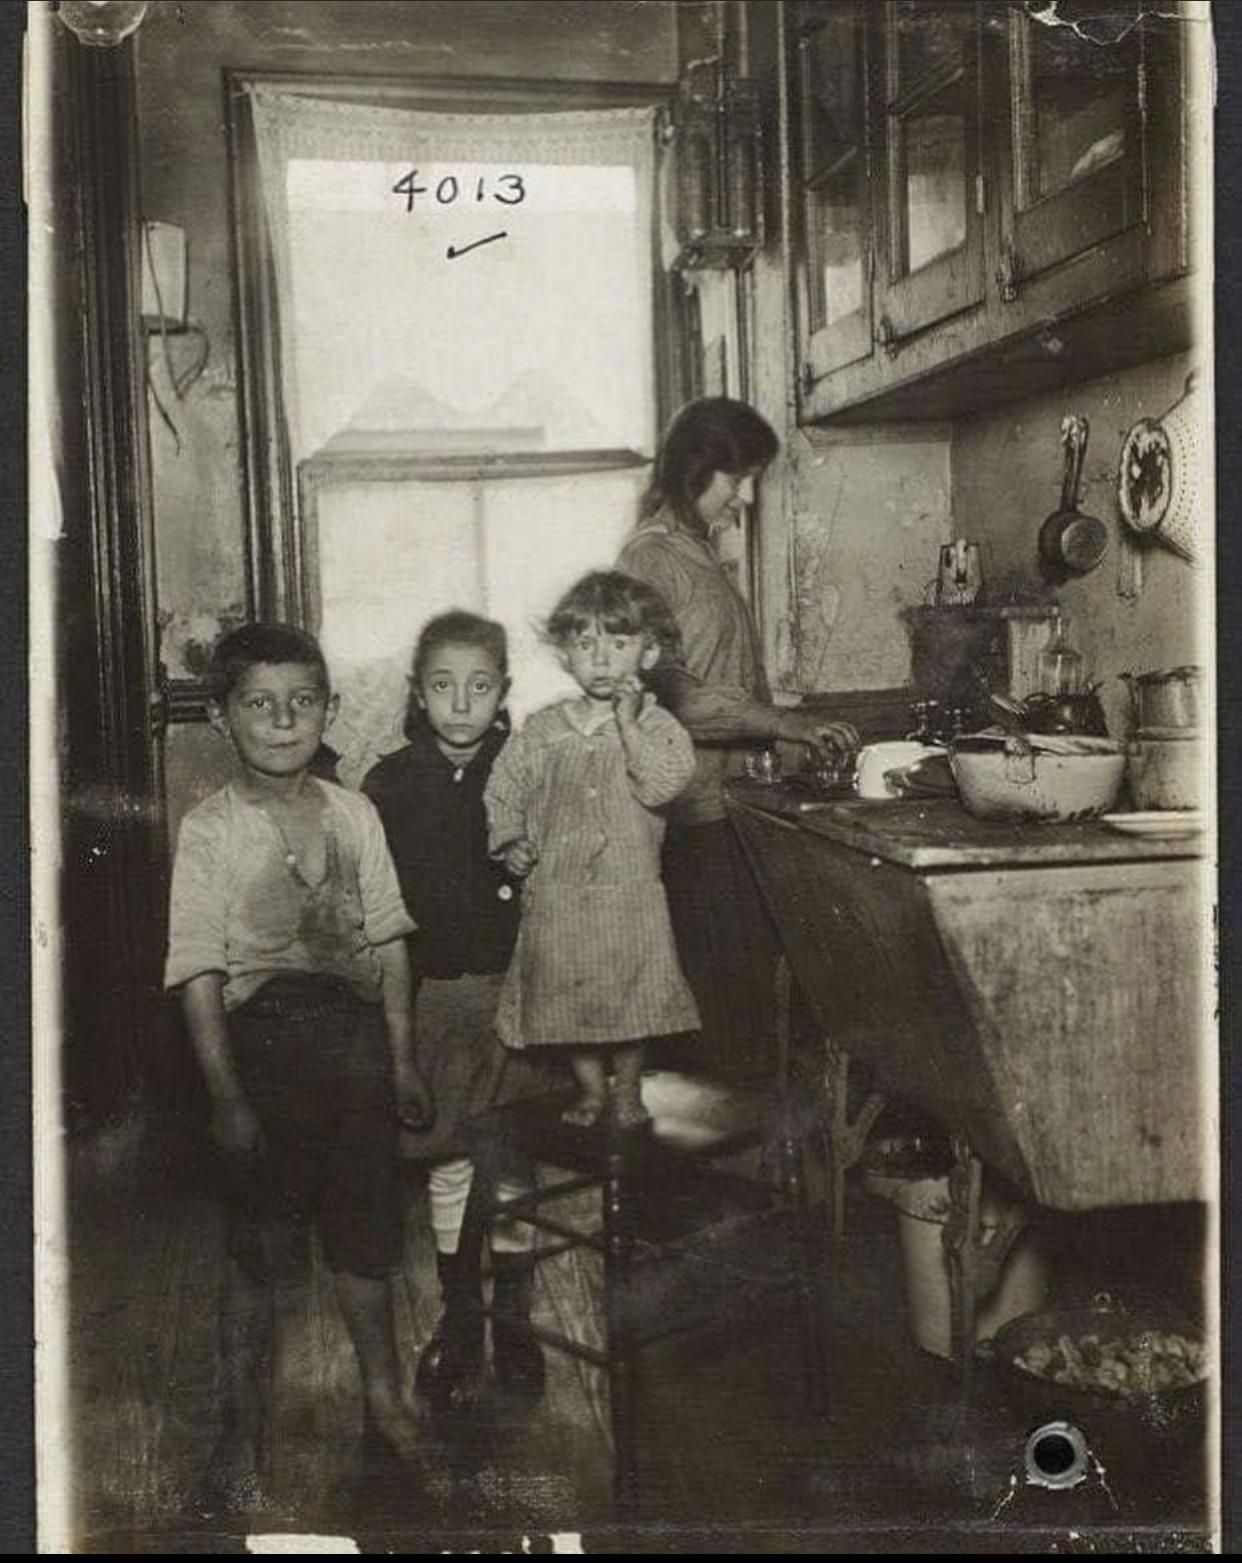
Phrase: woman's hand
(627, 698)
(808, 727)
(519, 856)
(235, 1127)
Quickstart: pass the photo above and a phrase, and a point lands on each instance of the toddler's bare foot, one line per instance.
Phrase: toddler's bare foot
(628, 1111)
(585, 1112)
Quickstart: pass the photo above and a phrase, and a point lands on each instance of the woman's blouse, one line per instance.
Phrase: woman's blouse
(720, 692)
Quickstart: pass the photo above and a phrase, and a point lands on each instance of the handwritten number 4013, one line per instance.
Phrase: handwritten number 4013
(508, 189)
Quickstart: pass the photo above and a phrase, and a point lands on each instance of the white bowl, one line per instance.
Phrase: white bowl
(1043, 785)
(877, 761)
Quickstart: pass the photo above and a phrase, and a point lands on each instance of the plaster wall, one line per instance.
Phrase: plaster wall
(1143, 607)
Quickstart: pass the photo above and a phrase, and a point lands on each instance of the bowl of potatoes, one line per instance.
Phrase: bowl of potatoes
(1120, 1372)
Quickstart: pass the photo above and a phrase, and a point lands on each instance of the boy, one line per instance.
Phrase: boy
(287, 945)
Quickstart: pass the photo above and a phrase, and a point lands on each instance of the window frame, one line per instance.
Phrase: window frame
(280, 548)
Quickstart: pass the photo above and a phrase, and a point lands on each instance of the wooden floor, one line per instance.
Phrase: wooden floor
(730, 1461)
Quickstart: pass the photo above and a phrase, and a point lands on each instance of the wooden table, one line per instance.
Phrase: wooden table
(1040, 989)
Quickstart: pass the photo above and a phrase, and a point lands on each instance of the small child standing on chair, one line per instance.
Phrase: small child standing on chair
(574, 807)
(287, 948)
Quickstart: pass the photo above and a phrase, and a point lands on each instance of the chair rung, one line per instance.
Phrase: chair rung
(574, 1237)
(571, 1348)
(516, 1207)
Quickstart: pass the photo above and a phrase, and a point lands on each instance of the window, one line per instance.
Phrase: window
(449, 331)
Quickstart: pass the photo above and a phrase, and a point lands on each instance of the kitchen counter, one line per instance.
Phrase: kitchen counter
(1041, 989)
(939, 833)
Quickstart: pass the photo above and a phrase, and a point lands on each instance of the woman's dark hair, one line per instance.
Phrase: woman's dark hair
(619, 603)
(242, 649)
(716, 434)
(455, 628)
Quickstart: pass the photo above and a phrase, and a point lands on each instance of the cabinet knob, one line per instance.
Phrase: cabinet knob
(886, 336)
(1009, 273)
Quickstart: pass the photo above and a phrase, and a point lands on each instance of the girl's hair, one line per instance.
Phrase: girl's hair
(242, 649)
(619, 603)
(715, 434)
(455, 628)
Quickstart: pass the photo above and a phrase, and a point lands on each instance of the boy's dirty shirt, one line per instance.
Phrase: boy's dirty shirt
(240, 907)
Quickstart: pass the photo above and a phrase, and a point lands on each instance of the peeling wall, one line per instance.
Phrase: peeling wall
(1007, 478)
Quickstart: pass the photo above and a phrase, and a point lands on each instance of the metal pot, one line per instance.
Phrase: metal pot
(1118, 1420)
(1169, 698)
(1071, 543)
(1080, 712)
(1167, 771)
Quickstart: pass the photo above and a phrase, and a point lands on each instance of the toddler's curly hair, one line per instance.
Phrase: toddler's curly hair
(620, 604)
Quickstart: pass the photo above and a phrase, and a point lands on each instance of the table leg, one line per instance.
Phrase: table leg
(812, 1303)
(847, 1138)
(961, 1241)
(976, 1254)
(622, 1355)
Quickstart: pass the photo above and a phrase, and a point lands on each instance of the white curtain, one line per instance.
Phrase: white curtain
(390, 344)
(401, 330)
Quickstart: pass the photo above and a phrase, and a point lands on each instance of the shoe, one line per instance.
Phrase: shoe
(517, 1357)
(450, 1367)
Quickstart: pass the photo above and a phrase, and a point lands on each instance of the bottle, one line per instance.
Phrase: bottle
(1060, 666)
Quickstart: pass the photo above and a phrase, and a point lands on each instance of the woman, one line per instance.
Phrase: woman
(705, 470)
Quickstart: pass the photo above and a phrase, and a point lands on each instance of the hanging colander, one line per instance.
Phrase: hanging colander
(1161, 481)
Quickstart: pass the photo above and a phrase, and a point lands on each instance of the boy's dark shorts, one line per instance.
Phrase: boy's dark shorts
(315, 1065)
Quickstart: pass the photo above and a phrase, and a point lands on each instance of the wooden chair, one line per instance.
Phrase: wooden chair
(685, 1240)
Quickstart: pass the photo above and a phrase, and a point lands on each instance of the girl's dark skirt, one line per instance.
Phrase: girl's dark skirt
(469, 1068)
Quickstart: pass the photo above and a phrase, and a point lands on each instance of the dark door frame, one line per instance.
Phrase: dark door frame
(114, 850)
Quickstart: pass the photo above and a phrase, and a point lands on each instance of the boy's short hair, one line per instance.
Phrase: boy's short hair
(252, 644)
(622, 605)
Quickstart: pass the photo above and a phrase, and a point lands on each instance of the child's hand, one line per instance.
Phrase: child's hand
(520, 856)
(235, 1127)
(627, 698)
(416, 1103)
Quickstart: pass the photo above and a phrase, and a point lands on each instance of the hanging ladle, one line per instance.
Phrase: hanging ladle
(1071, 543)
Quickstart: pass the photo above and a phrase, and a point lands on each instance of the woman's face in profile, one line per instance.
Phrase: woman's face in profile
(727, 494)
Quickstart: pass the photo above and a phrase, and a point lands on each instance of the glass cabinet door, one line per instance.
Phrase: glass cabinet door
(834, 179)
(1076, 150)
(933, 231)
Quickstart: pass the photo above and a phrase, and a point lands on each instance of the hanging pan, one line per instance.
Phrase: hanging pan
(1071, 543)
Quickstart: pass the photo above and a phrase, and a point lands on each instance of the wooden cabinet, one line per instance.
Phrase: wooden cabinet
(987, 202)
(1089, 179)
(930, 237)
(836, 161)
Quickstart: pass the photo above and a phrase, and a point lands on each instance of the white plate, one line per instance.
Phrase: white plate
(1157, 822)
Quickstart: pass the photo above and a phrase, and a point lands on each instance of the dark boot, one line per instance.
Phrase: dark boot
(517, 1355)
(451, 1364)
